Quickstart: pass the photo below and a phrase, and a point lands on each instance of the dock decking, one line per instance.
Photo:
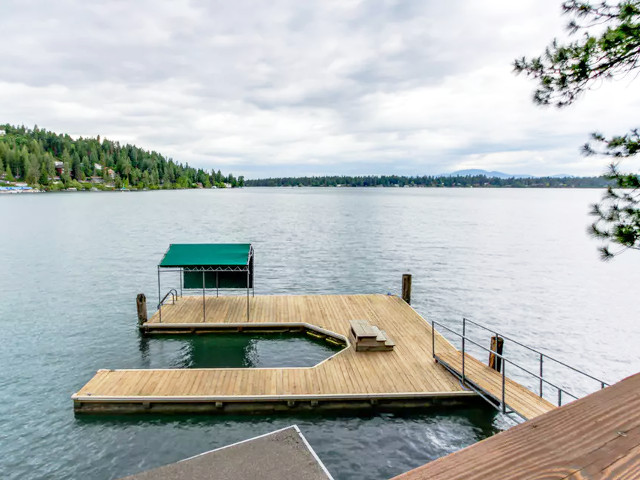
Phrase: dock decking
(595, 437)
(517, 398)
(407, 376)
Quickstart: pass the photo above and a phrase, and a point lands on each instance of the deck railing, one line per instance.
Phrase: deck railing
(174, 295)
(542, 357)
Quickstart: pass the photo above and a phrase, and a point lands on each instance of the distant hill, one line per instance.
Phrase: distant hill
(472, 172)
(52, 161)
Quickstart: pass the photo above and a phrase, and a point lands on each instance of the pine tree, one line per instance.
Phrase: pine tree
(608, 48)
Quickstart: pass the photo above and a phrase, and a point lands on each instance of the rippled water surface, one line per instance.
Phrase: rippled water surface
(71, 265)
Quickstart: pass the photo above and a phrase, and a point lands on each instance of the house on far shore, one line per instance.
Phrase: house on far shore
(111, 174)
(96, 179)
(2, 132)
(97, 167)
(59, 166)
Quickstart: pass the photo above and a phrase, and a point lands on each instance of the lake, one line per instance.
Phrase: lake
(72, 263)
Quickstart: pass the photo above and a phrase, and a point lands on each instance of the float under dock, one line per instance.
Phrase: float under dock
(407, 376)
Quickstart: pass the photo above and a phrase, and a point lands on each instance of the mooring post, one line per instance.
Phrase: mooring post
(141, 304)
(495, 361)
(406, 288)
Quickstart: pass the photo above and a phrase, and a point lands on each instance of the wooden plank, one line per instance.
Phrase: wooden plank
(362, 329)
(518, 398)
(595, 437)
(408, 369)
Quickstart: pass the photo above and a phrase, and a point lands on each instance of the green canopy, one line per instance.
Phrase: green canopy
(211, 265)
(207, 255)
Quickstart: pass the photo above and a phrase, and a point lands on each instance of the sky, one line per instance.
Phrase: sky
(315, 87)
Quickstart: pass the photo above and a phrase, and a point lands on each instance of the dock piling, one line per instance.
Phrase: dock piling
(406, 288)
(141, 304)
(495, 361)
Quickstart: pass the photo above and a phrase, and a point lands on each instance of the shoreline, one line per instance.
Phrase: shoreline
(31, 190)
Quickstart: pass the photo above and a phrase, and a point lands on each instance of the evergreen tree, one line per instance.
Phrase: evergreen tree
(33, 153)
(608, 48)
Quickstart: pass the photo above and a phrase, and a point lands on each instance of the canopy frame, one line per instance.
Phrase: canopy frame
(207, 269)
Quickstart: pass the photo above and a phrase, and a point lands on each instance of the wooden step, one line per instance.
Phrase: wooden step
(380, 335)
(388, 342)
(369, 338)
(362, 329)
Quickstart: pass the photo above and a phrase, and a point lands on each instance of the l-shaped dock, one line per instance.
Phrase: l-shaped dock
(404, 377)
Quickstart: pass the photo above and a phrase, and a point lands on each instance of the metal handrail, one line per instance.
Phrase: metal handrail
(505, 361)
(603, 384)
(174, 295)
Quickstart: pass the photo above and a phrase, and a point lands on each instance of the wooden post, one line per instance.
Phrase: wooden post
(495, 362)
(141, 303)
(406, 287)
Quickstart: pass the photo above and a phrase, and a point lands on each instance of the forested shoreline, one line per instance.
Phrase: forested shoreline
(49, 161)
(446, 181)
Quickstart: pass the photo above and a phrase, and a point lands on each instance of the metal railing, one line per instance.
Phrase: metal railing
(542, 357)
(174, 296)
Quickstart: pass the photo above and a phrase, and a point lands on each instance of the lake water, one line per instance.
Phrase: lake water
(234, 350)
(72, 264)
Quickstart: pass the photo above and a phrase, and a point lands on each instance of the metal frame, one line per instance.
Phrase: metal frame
(204, 269)
(502, 405)
(174, 296)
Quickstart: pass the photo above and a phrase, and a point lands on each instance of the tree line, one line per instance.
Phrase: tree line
(52, 161)
(477, 181)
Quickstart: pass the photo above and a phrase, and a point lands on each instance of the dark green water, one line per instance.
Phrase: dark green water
(72, 264)
(234, 350)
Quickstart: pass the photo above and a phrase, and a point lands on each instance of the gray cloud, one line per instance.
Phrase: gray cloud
(289, 88)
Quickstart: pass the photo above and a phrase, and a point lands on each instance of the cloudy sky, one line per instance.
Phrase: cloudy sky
(290, 87)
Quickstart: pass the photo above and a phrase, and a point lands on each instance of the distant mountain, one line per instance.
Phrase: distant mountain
(477, 171)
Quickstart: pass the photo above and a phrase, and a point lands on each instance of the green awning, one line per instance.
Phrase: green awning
(207, 255)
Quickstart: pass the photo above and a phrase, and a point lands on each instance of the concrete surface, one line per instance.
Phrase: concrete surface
(280, 455)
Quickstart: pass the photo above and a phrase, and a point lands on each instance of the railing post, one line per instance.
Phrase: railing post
(541, 375)
(601, 384)
(433, 339)
(204, 302)
(504, 368)
(559, 397)
(464, 334)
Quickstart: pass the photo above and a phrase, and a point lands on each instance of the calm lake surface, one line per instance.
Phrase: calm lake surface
(72, 264)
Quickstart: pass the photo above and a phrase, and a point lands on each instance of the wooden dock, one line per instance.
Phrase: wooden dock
(595, 437)
(517, 398)
(407, 376)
